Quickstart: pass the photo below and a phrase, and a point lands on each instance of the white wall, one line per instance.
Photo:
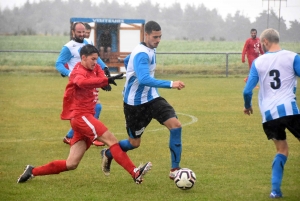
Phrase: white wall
(129, 39)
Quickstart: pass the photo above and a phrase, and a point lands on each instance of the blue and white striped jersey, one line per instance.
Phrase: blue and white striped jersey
(89, 41)
(141, 86)
(277, 74)
(70, 54)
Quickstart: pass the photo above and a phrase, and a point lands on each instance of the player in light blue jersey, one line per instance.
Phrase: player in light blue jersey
(276, 71)
(69, 57)
(142, 102)
(87, 33)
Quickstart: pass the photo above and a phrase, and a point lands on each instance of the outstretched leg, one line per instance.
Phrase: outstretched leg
(55, 167)
(122, 158)
(107, 157)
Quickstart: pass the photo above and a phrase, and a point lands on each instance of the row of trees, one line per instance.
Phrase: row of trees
(191, 23)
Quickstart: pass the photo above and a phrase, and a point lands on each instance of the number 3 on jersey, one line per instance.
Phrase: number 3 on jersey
(277, 83)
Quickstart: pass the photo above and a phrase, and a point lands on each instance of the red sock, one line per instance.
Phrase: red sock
(54, 167)
(122, 158)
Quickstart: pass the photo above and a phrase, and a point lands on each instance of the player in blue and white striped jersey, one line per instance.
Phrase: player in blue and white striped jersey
(142, 102)
(276, 72)
(69, 57)
(69, 53)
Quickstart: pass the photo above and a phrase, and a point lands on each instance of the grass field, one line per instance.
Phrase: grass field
(227, 150)
(204, 64)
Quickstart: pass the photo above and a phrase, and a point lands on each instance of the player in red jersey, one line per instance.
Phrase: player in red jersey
(80, 98)
(252, 49)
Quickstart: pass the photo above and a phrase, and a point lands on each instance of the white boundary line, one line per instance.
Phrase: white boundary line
(193, 120)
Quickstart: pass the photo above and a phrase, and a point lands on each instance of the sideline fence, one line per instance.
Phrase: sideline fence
(226, 55)
(207, 53)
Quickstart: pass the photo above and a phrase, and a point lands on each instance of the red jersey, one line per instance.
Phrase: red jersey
(81, 92)
(252, 48)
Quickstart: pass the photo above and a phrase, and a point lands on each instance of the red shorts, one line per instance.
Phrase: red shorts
(250, 60)
(88, 128)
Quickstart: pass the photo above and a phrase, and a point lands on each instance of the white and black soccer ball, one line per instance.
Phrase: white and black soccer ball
(185, 179)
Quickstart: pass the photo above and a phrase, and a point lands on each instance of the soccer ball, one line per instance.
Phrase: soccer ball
(185, 179)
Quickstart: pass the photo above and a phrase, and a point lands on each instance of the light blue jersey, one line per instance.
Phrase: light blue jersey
(89, 41)
(70, 54)
(141, 86)
(276, 73)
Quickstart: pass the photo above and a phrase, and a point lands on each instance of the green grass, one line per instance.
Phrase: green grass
(51, 43)
(227, 150)
(205, 64)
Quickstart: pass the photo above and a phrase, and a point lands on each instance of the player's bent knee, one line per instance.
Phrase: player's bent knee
(72, 166)
(172, 123)
(135, 143)
(175, 125)
(108, 138)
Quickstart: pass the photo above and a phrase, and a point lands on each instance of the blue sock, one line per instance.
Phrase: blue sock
(98, 109)
(175, 146)
(277, 171)
(70, 133)
(125, 146)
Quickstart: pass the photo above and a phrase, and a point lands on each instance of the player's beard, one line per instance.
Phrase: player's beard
(78, 40)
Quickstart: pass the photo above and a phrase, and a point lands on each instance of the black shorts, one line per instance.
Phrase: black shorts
(138, 117)
(275, 129)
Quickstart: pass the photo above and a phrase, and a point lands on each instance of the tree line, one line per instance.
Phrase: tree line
(51, 17)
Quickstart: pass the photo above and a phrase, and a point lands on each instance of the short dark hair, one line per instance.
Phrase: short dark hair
(88, 50)
(74, 25)
(253, 30)
(152, 26)
(87, 26)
